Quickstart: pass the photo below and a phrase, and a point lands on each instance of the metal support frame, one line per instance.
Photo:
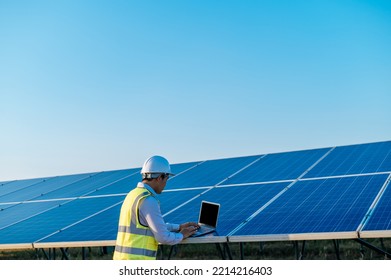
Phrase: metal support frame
(241, 250)
(382, 244)
(261, 249)
(45, 254)
(225, 252)
(372, 247)
(84, 253)
(51, 254)
(336, 247)
(174, 250)
(299, 253)
(64, 252)
(37, 253)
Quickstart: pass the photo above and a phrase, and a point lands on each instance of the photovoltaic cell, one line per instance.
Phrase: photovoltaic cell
(178, 168)
(38, 190)
(2, 183)
(11, 187)
(102, 226)
(170, 200)
(87, 185)
(314, 206)
(13, 213)
(355, 159)
(127, 184)
(275, 167)
(209, 173)
(122, 186)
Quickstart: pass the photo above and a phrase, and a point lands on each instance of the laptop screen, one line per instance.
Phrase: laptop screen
(209, 213)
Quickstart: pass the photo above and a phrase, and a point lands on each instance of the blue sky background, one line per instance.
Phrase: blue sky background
(102, 85)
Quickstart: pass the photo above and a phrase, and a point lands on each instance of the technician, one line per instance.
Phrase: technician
(141, 225)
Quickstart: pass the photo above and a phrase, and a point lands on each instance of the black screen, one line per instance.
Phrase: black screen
(209, 214)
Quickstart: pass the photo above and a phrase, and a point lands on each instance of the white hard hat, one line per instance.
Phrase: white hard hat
(156, 164)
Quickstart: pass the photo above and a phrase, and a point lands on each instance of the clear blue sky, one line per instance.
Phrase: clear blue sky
(102, 85)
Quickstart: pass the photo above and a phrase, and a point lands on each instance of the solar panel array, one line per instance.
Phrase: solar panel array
(329, 193)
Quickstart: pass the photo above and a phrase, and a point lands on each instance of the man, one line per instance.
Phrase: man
(141, 225)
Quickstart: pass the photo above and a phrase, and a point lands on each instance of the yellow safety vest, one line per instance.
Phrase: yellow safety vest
(134, 241)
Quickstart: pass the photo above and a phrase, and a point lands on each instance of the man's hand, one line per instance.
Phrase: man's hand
(188, 229)
(188, 224)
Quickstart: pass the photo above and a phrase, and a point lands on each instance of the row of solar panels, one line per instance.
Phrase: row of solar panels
(324, 193)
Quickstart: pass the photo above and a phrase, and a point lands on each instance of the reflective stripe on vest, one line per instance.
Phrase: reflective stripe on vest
(134, 241)
(135, 251)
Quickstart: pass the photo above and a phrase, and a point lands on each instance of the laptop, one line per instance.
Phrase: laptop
(207, 220)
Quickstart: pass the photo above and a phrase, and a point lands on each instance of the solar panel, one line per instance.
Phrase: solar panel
(354, 159)
(13, 186)
(55, 219)
(86, 232)
(121, 186)
(327, 193)
(275, 167)
(39, 189)
(317, 206)
(178, 168)
(379, 222)
(209, 173)
(16, 212)
(87, 185)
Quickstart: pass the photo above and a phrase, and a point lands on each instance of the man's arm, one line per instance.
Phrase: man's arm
(150, 215)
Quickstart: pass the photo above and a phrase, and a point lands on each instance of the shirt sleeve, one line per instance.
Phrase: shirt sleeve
(150, 215)
(172, 227)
